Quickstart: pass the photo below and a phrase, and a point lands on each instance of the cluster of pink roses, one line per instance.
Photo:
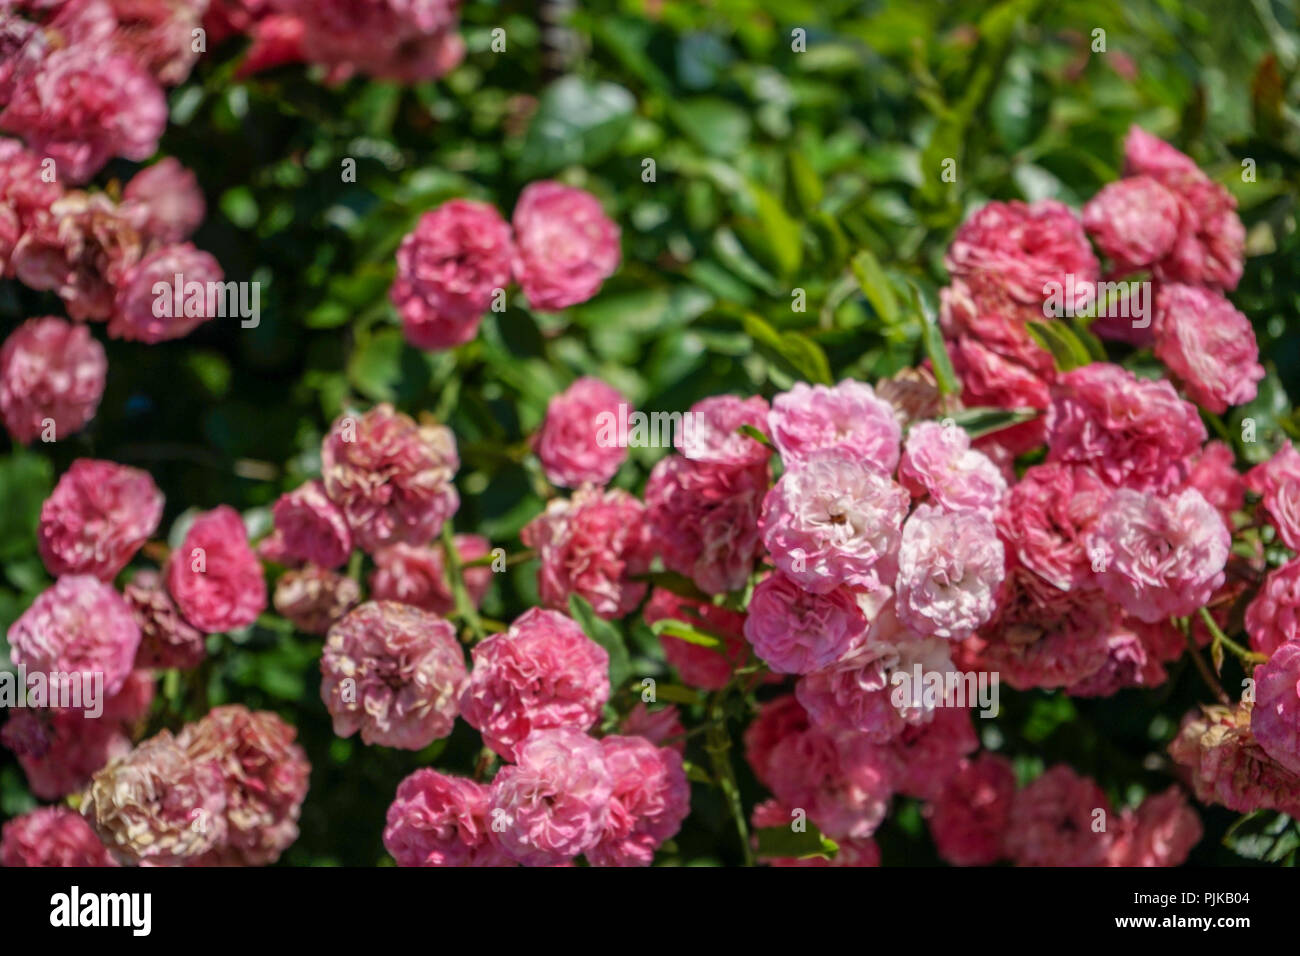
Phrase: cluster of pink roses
(462, 255)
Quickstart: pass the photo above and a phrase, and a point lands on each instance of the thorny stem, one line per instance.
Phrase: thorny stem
(1247, 657)
(1206, 674)
(464, 605)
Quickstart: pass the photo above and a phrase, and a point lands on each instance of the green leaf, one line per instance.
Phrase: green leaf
(606, 635)
(1264, 835)
(578, 122)
(1067, 351)
(684, 632)
(375, 367)
(801, 354)
(876, 286)
(26, 480)
(717, 126)
(807, 184)
(779, 234)
(984, 421)
(935, 350)
(785, 842)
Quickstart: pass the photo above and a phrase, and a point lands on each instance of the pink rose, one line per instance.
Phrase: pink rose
(171, 197)
(1208, 345)
(579, 438)
(661, 726)
(440, 820)
(708, 668)
(969, 820)
(852, 852)
(137, 306)
(834, 519)
(1224, 763)
(309, 529)
(1134, 222)
(1045, 519)
(844, 787)
(1214, 474)
(1162, 557)
(418, 576)
(950, 566)
(591, 545)
(712, 431)
(1277, 481)
(555, 800)
(938, 461)
(565, 245)
(925, 756)
(797, 632)
(214, 576)
(24, 193)
(990, 379)
(1275, 720)
(544, 672)
(393, 672)
(1273, 617)
(1160, 832)
(448, 270)
(390, 476)
(97, 517)
(166, 639)
(1052, 822)
(847, 418)
(52, 836)
(313, 598)
(52, 376)
(649, 800)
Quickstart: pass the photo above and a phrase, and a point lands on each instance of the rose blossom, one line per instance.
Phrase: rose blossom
(264, 775)
(1225, 764)
(591, 545)
(214, 576)
(24, 193)
(1278, 482)
(52, 377)
(312, 598)
(1052, 822)
(937, 460)
(851, 852)
(990, 379)
(708, 668)
(797, 632)
(555, 799)
(921, 759)
(135, 314)
(1136, 652)
(390, 476)
(394, 672)
(51, 836)
(171, 197)
(1275, 719)
(448, 269)
(844, 786)
(711, 431)
(833, 519)
(1132, 432)
(847, 418)
(157, 805)
(969, 819)
(704, 518)
(565, 245)
(1214, 474)
(650, 798)
(1208, 345)
(77, 626)
(949, 569)
(97, 517)
(982, 310)
(1133, 221)
(418, 576)
(1273, 617)
(1160, 556)
(1045, 519)
(544, 672)
(1160, 832)
(661, 726)
(309, 528)
(166, 639)
(441, 820)
(575, 443)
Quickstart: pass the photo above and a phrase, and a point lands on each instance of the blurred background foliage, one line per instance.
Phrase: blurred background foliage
(782, 161)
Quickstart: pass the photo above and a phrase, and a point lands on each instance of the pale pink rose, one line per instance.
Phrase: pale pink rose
(390, 476)
(158, 805)
(704, 519)
(264, 775)
(713, 433)
(137, 307)
(77, 626)
(1160, 832)
(1134, 222)
(847, 418)
(50, 370)
(969, 819)
(950, 566)
(1210, 244)
(166, 639)
(82, 105)
(449, 267)
(989, 379)
(418, 576)
(1052, 822)
(1277, 481)
(441, 820)
(1208, 345)
(592, 545)
(834, 519)
(649, 800)
(1045, 519)
(1273, 617)
(565, 245)
(938, 461)
(309, 529)
(1224, 763)
(554, 801)
(214, 577)
(1162, 557)
(796, 631)
(579, 440)
(544, 672)
(1214, 474)
(97, 517)
(172, 200)
(708, 668)
(1132, 432)
(661, 726)
(52, 836)
(81, 250)
(313, 598)
(393, 672)
(1275, 719)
